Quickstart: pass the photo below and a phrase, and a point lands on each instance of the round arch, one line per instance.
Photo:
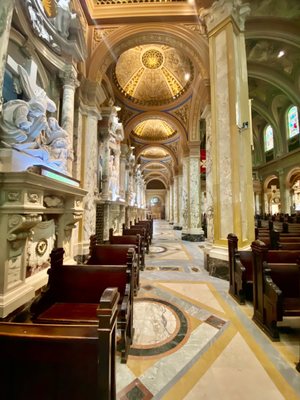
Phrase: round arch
(162, 146)
(196, 48)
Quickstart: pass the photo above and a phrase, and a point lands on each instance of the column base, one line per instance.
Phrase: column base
(177, 227)
(217, 264)
(11, 301)
(193, 235)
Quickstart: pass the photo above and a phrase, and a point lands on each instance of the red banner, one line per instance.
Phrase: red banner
(202, 161)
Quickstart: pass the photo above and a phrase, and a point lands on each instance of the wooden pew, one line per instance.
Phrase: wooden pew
(116, 254)
(73, 291)
(241, 267)
(61, 362)
(276, 290)
(148, 224)
(135, 240)
(138, 230)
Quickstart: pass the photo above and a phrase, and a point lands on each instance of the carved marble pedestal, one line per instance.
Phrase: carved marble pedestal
(36, 213)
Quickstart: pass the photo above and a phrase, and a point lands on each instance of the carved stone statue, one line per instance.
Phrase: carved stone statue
(25, 128)
(23, 121)
(57, 143)
(64, 17)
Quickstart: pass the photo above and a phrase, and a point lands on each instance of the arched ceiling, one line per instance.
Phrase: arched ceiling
(153, 130)
(157, 60)
(153, 74)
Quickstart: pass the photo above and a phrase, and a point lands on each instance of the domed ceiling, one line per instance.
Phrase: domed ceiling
(153, 130)
(153, 74)
(154, 152)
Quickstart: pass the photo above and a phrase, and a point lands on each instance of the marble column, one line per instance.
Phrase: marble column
(193, 231)
(185, 194)
(6, 12)
(175, 202)
(70, 83)
(284, 192)
(233, 206)
(180, 217)
(90, 171)
(167, 203)
(209, 211)
(171, 221)
(124, 150)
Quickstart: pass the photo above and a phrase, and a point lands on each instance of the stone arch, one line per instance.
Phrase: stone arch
(163, 146)
(196, 48)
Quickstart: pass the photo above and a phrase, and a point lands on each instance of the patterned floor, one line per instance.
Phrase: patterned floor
(193, 342)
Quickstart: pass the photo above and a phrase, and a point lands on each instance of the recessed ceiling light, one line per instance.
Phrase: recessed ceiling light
(281, 54)
(187, 76)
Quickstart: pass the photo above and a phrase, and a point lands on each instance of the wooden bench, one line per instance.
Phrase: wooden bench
(60, 361)
(135, 240)
(73, 292)
(116, 254)
(138, 230)
(148, 224)
(241, 267)
(276, 290)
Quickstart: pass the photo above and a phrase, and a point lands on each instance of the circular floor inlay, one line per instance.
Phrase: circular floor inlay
(159, 326)
(157, 249)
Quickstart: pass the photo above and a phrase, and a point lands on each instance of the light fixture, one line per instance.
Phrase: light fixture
(187, 76)
(281, 54)
(245, 125)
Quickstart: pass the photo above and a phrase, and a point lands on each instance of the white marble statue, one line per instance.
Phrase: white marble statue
(23, 121)
(64, 17)
(56, 140)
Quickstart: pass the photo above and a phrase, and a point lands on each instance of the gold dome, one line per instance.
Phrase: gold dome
(153, 130)
(153, 74)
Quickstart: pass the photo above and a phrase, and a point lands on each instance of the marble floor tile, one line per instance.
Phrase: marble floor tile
(194, 342)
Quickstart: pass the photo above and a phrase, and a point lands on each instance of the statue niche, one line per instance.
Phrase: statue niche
(24, 127)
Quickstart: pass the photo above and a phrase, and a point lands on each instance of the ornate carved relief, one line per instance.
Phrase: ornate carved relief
(40, 246)
(13, 196)
(53, 201)
(182, 113)
(33, 197)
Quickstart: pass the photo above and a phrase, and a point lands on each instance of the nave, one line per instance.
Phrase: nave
(192, 341)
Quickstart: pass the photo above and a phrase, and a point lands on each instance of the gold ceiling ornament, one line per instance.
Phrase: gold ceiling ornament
(173, 83)
(134, 81)
(153, 74)
(152, 59)
(50, 8)
(154, 152)
(153, 129)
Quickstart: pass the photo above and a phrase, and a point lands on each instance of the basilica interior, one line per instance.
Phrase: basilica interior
(183, 113)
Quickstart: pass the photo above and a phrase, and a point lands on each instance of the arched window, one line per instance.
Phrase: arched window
(269, 138)
(293, 122)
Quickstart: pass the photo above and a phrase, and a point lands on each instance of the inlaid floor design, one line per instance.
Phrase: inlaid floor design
(193, 342)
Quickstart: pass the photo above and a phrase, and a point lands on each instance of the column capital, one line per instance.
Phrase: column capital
(69, 77)
(223, 10)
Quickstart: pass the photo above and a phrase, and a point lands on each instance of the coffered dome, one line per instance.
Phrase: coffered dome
(153, 130)
(153, 74)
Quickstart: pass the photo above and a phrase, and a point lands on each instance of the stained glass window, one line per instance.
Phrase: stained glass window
(293, 122)
(269, 138)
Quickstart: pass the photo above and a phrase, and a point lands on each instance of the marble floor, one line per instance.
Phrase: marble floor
(194, 342)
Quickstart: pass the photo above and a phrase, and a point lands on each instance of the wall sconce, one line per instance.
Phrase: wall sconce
(245, 125)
